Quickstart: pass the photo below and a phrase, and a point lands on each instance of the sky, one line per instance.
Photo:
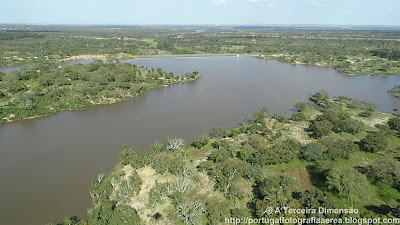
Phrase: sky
(213, 12)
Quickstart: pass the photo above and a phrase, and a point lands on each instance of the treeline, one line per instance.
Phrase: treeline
(347, 51)
(264, 163)
(18, 35)
(50, 88)
(390, 54)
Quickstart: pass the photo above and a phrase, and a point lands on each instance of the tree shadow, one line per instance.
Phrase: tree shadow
(316, 177)
(384, 210)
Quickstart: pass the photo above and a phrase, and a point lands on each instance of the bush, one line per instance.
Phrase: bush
(314, 199)
(321, 128)
(131, 156)
(394, 123)
(263, 157)
(348, 183)
(312, 152)
(287, 151)
(201, 141)
(218, 132)
(374, 142)
(365, 114)
(217, 212)
(384, 172)
(338, 148)
(342, 122)
(298, 116)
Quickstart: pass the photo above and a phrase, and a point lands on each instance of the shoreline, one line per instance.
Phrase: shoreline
(259, 56)
(397, 95)
(7, 119)
(189, 55)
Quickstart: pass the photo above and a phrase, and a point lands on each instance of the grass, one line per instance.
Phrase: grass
(150, 41)
(297, 170)
(397, 95)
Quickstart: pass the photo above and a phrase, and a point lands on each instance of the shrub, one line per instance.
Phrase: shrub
(374, 142)
(312, 152)
(217, 212)
(365, 114)
(384, 171)
(321, 128)
(348, 183)
(394, 123)
(338, 148)
(287, 151)
(201, 141)
(298, 116)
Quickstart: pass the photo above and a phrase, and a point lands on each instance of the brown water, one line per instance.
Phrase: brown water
(46, 164)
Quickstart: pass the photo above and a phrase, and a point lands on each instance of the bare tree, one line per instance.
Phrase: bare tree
(100, 177)
(190, 210)
(174, 143)
(181, 185)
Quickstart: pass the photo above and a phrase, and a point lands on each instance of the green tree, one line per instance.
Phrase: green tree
(313, 152)
(200, 141)
(394, 123)
(384, 171)
(348, 183)
(287, 151)
(298, 116)
(374, 142)
(321, 128)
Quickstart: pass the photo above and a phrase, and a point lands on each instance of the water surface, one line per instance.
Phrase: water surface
(9, 69)
(46, 164)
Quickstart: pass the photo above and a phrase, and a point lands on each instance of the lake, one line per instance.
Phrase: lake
(46, 164)
(9, 69)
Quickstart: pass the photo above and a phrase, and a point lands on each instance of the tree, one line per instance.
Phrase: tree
(394, 123)
(201, 141)
(321, 128)
(368, 106)
(365, 113)
(287, 151)
(124, 214)
(348, 183)
(384, 171)
(374, 142)
(189, 210)
(300, 106)
(320, 98)
(298, 116)
(173, 143)
(217, 212)
(315, 198)
(265, 111)
(130, 155)
(312, 152)
(338, 148)
(217, 132)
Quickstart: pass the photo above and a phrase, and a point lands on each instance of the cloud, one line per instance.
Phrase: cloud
(316, 2)
(219, 2)
(163, 1)
(49, 3)
(264, 2)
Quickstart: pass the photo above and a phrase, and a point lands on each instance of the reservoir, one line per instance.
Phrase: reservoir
(46, 164)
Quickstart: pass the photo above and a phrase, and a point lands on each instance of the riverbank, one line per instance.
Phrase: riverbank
(189, 55)
(217, 172)
(348, 67)
(397, 95)
(78, 87)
